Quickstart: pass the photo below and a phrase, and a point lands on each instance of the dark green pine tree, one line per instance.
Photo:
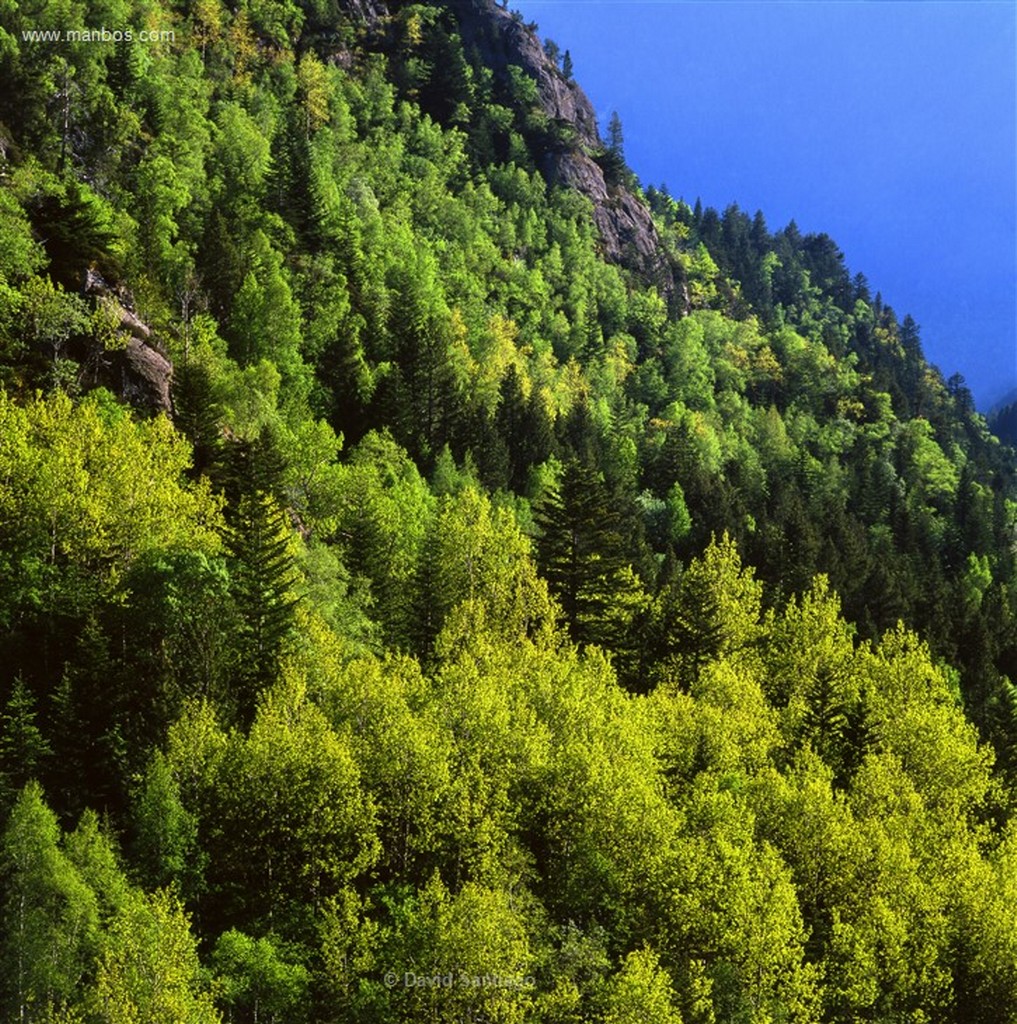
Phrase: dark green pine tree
(615, 136)
(259, 541)
(223, 265)
(1001, 715)
(579, 438)
(914, 360)
(1004, 424)
(196, 415)
(797, 543)
(847, 560)
(525, 427)
(425, 395)
(685, 633)
(447, 90)
(612, 160)
(263, 578)
(23, 748)
(538, 435)
(581, 550)
(510, 419)
(826, 716)
(490, 447)
(76, 231)
(90, 712)
(249, 467)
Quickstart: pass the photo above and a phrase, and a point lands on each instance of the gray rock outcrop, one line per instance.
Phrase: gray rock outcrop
(627, 231)
(138, 373)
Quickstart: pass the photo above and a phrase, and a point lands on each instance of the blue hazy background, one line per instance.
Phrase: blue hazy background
(888, 125)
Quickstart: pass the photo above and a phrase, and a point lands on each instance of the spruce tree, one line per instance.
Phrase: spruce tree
(23, 748)
(91, 713)
(259, 541)
(615, 136)
(223, 265)
(524, 427)
(196, 415)
(263, 573)
(612, 160)
(581, 550)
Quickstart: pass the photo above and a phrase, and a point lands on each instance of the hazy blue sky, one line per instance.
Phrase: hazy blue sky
(888, 125)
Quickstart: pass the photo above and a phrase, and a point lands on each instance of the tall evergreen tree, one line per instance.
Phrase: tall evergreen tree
(582, 551)
(524, 427)
(262, 567)
(23, 748)
(260, 545)
(197, 416)
(90, 712)
(612, 161)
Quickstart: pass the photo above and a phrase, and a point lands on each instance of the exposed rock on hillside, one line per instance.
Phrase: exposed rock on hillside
(625, 225)
(138, 373)
(501, 39)
(370, 12)
(143, 377)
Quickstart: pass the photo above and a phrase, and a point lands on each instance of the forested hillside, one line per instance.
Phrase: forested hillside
(442, 580)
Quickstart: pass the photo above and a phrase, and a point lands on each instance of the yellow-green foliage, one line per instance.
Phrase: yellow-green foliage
(86, 487)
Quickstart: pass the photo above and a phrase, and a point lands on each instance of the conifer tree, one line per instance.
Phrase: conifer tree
(90, 712)
(582, 554)
(612, 161)
(711, 610)
(196, 415)
(262, 565)
(23, 748)
(223, 265)
(524, 427)
(615, 136)
(259, 541)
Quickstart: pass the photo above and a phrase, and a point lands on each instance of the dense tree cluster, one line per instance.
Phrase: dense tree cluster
(488, 635)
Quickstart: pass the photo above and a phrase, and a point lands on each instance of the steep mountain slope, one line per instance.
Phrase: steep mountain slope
(627, 232)
(544, 602)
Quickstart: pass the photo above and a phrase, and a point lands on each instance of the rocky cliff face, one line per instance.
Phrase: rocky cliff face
(625, 225)
(501, 39)
(371, 13)
(137, 372)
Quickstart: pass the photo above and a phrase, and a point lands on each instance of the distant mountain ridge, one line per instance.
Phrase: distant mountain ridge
(1002, 419)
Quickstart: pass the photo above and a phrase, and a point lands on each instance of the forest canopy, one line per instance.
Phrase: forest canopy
(445, 579)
